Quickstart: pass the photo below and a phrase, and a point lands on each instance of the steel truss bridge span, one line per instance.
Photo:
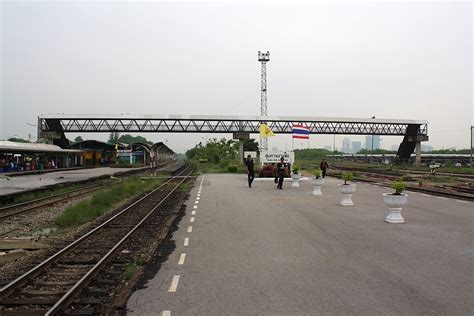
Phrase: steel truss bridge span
(54, 126)
(227, 124)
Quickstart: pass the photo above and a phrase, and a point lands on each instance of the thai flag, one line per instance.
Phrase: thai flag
(300, 131)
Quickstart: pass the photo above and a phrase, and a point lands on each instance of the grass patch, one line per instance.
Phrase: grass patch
(460, 170)
(132, 267)
(103, 201)
(439, 179)
(186, 186)
(209, 167)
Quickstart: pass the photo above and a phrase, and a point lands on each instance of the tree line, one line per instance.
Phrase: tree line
(220, 151)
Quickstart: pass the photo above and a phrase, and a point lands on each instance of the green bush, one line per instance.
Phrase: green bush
(203, 160)
(448, 164)
(317, 173)
(347, 176)
(232, 168)
(399, 187)
(295, 168)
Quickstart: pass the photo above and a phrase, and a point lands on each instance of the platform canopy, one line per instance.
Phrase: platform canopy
(16, 147)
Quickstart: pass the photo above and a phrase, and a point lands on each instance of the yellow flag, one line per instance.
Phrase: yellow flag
(265, 131)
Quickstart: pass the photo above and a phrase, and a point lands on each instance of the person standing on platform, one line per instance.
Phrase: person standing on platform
(281, 167)
(250, 169)
(324, 166)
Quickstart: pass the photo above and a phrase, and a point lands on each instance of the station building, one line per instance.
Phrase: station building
(21, 157)
(97, 153)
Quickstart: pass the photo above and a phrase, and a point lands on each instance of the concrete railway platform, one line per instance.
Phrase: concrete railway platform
(11, 185)
(262, 251)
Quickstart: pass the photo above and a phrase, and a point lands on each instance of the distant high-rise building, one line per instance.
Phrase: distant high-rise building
(376, 142)
(356, 146)
(368, 142)
(372, 142)
(346, 145)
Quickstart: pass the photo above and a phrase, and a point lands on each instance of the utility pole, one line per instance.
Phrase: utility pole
(263, 58)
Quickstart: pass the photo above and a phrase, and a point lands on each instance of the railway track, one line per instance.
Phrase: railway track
(401, 172)
(54, 285)
(19, 208)
(451, 191)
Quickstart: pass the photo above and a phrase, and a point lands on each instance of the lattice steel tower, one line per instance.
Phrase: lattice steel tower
(263, 58)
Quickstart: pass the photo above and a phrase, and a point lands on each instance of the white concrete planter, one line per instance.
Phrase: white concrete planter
(317, 183)
(346, 191)
(395, 203)
(296, 177)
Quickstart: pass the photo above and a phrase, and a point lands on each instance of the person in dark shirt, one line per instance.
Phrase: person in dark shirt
(323, 166)
(250, 169)
(281, 166)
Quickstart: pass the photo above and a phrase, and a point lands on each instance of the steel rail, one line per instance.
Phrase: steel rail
(21, 280)
(70, 295)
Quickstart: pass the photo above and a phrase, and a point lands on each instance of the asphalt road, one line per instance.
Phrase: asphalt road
(263, 251)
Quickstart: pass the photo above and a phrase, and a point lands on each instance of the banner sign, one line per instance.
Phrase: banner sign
(274, 156)
(252, 154)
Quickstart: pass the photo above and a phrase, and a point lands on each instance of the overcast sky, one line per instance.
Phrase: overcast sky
(391, 60)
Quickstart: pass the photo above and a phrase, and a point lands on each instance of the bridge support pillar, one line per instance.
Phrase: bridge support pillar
(417, 141)
(418, 154)
(241, 136)
(241, 149)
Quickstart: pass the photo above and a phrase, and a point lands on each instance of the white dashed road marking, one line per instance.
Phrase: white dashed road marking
(165, 313)
(195, 206)
(193, 213)
(191, 219)
(174, 283)
(196, 202)
(190, 229)
(186, 242)
(198, 198)
(182, 258)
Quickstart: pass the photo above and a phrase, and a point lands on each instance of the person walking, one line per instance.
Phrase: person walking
(250, 169)
(281, 167)
(323, 166)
